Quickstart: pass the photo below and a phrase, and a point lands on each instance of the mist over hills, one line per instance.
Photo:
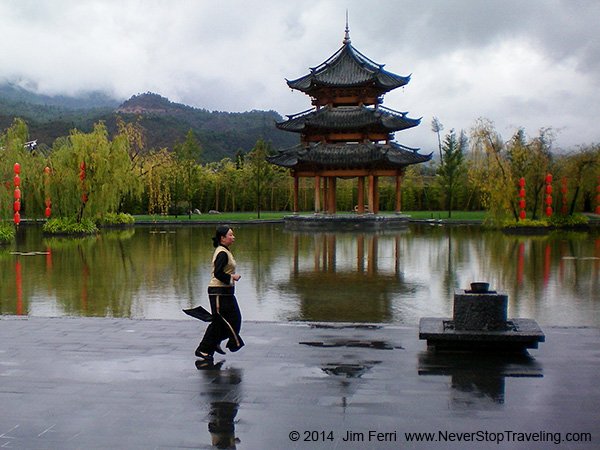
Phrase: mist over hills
(220, 134)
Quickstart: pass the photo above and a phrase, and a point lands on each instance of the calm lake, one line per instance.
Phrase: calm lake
(152, 272)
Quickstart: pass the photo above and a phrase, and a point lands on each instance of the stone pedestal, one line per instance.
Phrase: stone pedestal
(480, 322)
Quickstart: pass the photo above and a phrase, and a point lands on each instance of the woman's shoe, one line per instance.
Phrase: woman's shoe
(204, 356)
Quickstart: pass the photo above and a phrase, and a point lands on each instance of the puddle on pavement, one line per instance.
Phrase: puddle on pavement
(377, 345)
(349, 370)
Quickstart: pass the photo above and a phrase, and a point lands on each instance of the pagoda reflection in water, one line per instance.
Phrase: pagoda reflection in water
(344, 278)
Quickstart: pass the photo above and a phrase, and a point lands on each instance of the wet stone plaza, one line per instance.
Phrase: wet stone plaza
(79, 383)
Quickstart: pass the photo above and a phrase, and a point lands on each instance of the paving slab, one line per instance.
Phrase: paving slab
(93, 383)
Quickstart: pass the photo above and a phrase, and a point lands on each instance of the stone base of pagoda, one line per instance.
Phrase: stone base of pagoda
(349, 222)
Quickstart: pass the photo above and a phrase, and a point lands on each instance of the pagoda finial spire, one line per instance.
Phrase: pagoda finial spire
(347, 33)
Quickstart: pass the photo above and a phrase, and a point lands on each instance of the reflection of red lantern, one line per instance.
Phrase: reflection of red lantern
(549, 211)
(84, 197)
(17, 168)
(47, 212)
(549, 200)
(522, 204)
(522, 214)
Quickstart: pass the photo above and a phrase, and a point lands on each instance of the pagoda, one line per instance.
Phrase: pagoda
(347, 133)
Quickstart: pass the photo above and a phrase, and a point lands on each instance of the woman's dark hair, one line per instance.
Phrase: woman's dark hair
(221, 231)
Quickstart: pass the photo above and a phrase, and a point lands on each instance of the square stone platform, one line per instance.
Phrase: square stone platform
(520, 334)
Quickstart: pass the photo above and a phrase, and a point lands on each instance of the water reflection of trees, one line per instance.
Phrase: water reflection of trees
(370, 277)
(531, 269)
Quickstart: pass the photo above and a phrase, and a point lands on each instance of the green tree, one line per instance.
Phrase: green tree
(452, 166)
(531, 159)
(188, 180)
(261, 171)
(91, 174)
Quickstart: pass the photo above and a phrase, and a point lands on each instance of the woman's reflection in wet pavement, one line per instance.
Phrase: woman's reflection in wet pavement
(223, 387)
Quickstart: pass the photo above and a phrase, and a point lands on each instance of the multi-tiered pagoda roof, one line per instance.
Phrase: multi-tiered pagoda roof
(348, 133)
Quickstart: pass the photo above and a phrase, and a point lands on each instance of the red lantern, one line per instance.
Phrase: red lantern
(549, 178)
(47, 212)
(47, 170)
(598, 209)
(17, 168)
(549, 211)
(549, 200)
(521, 204)
(548, 189)
(17, 218)
(522, 214)
(48, 203)
(17, 206)
(522, 193)
(84, 197)
(521, 182)
(17, 181)
(17, 194)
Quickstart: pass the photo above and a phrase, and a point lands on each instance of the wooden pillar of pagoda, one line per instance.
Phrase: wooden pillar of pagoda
(375, 195)
(361, 195)
(325, 207)
(331, 199)
(371, 193)
(317, 193)
(398, 208)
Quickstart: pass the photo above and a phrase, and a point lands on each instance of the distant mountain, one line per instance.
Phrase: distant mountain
(221, 134)
(14, 94)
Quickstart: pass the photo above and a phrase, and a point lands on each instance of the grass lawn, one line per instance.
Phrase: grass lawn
(252, 216)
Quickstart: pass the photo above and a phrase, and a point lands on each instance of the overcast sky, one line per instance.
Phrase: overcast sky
(532, 64)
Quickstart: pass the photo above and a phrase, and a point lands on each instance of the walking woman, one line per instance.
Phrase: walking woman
(226, 317)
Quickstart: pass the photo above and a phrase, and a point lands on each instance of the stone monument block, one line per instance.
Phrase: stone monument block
(480, 311)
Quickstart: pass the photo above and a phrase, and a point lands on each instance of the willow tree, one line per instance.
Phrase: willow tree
(13, 150)
(159, 169)
(90, 174)
(490, 172)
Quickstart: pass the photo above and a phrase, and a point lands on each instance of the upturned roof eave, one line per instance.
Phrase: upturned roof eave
(375, 74)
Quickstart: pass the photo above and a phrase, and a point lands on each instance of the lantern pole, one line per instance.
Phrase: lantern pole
(17, 203)
(549, 195)
(563, 191)
(48, 210)
(598, 197)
